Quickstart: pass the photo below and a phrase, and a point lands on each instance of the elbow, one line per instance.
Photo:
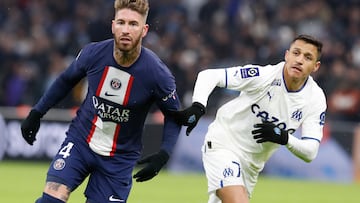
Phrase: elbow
(306, 149)
(205, 73)
(309, 157)
(307, 160)
(210, 73)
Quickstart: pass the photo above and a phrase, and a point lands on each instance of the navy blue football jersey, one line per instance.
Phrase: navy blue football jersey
(112, 116)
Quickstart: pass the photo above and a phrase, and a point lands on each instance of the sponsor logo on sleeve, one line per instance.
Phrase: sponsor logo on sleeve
(322, 118)
(170, 96)
(249, 72)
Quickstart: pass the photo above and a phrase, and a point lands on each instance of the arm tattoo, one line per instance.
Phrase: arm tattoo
(53, 186)
(58, 187)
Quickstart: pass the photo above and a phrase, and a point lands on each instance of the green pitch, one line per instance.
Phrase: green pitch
(23, 182)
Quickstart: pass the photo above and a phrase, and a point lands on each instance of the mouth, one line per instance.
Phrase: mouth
(125, 40)
(297, 68)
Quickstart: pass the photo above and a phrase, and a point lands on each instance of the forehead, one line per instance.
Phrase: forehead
(128, 15)
(304, 47)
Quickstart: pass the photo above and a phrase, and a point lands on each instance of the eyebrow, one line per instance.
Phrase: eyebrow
(305, 53)
(126, 20)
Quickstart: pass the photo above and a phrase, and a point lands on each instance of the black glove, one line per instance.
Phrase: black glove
(190, 116)
(269, 132)
(155, 163)
(30, 126)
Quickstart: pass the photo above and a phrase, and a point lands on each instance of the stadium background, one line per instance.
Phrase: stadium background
(39, 38)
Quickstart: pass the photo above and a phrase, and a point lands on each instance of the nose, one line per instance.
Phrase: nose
(125, 28)
(300, 59)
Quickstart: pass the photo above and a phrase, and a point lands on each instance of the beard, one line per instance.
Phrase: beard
(127, 47)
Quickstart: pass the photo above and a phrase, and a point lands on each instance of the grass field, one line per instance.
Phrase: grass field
(22, 182)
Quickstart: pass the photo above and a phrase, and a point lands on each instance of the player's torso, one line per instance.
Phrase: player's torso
(116, 93)
(271, 102)
(117, 102)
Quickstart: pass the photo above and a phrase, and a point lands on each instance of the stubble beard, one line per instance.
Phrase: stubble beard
(127, 53)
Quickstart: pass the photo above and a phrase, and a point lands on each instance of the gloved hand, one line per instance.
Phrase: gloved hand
(155, 163)
(269, 132)
(30, 126)
(189, 116)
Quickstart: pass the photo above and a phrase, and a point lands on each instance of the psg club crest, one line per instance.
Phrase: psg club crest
(115, 83)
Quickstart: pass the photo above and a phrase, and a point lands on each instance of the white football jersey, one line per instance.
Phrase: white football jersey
(263, 95)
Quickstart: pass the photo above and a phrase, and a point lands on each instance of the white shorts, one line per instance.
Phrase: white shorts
(224, 168)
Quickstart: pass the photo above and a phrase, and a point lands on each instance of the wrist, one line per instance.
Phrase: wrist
(36, 114)
(285, 137)
(163, 156)
(200, 107)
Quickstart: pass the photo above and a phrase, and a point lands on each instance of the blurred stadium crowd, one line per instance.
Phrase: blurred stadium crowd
(39, 38)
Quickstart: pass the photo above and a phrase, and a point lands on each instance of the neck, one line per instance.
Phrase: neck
(126, 58)
(294, 84)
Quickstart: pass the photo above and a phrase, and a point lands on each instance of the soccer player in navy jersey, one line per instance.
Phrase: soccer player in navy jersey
(104, 139)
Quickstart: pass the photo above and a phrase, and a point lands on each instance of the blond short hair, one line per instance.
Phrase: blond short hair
(140, 6)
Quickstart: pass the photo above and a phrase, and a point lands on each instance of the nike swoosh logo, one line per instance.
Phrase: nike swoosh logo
(114, 199)
(110, 95)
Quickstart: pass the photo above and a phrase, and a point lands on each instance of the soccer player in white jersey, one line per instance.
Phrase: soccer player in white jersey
(274, 101)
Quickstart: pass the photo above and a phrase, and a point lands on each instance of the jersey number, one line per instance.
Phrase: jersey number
(65, 151)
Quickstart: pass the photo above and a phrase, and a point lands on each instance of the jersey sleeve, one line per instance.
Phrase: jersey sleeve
(239, 78)
(63, 83)
(167, 100)
(312, 127)
(307, 146)
(249, 77)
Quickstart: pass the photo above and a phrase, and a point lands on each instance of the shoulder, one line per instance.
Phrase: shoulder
(316, 92)
(94, 50)
(273, 68)
(150, 57)
(251, 70)
(153, 62)
(315, 88)
(257, 73)
(96, 47)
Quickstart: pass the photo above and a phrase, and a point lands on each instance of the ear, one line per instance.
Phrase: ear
(286, 54)
(112, 26)
(317, 66)
(145, 30)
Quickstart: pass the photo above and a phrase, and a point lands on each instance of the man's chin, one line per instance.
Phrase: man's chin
(124, 46)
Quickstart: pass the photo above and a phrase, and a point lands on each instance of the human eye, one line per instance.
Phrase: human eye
(133, 23)
(120, 22)
(309, 57)
(296, 52)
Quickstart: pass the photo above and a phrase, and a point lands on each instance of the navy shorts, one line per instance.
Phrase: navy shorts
(110, 177)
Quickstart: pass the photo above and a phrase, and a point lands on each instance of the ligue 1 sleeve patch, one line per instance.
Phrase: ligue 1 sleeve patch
(59, 164)
(249, 72)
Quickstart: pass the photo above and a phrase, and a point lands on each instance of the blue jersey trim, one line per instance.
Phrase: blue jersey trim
(283, 77)
(226, 79)
(310, 138)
